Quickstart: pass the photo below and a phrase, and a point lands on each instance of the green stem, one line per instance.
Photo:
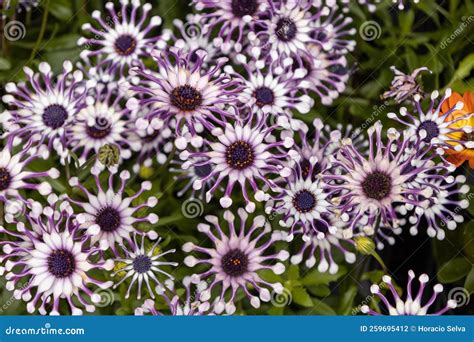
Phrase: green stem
(44, 23)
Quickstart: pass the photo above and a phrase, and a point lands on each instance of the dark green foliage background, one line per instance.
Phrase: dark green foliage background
(409, 39)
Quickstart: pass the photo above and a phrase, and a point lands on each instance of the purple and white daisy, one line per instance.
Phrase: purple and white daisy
(272, 91)
(404, 86)
(15, 176)
(412, 305)
(191, 38)
(235, 259)
(185, 91)
(432, 127)
(328, 245)
(445, 204)
(313, 151)
(303, 203)
(45, 107)
(142, 265)
(122, 38)
(103, 121)
(244, 153)
(234, 18)
(49, 259)
(294, 25)
(368, 187)
(190, 305)
(109, 215)
(326, 73)
(189, 175)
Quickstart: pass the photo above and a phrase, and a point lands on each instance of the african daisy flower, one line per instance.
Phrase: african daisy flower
(445, 204)
(303, 203)
(142, 265)
(412, 305)
(295, 25)
(326, 73)
(313, 149)
(432, 126)
(186, 176)
(235, 259)
(185, 91)
(404, 86)
(369, 186)
(45, 106)
(187, 304)
(53, 257)
(320, 246)
(190, 38)
(109, 215)
(103, 121)
(234, 18)
(14, 175)
(244, 153)
(467, 120)
(123, 38)
(271, 92)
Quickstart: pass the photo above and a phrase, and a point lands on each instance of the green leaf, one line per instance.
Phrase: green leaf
(469, 283)
(61, 9)
(347, 300)
(301, 297)
(293, 272)
(321, 308)
(319, 290)
(464, 68)
(5, 64)
(317, 278)
(453, 270)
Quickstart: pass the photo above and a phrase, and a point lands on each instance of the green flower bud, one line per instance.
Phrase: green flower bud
(109, 155)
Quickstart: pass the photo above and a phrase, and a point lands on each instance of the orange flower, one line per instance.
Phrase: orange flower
(459, 157)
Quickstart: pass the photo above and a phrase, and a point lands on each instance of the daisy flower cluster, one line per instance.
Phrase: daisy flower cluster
(225, 101)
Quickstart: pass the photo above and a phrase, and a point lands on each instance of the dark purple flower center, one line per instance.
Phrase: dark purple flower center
(125, 45)
(203, 171)
(338, 69)
(61, 263)
(5, 178)
(235, 263)
(100, 130)
(54, 116)
(241, 8)
(186, 98)
(142, 264)
(264, 96)
(431, 128)
(304, 201)
(377, 185)
(285, 29)
(108, 219)
(240, 155)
